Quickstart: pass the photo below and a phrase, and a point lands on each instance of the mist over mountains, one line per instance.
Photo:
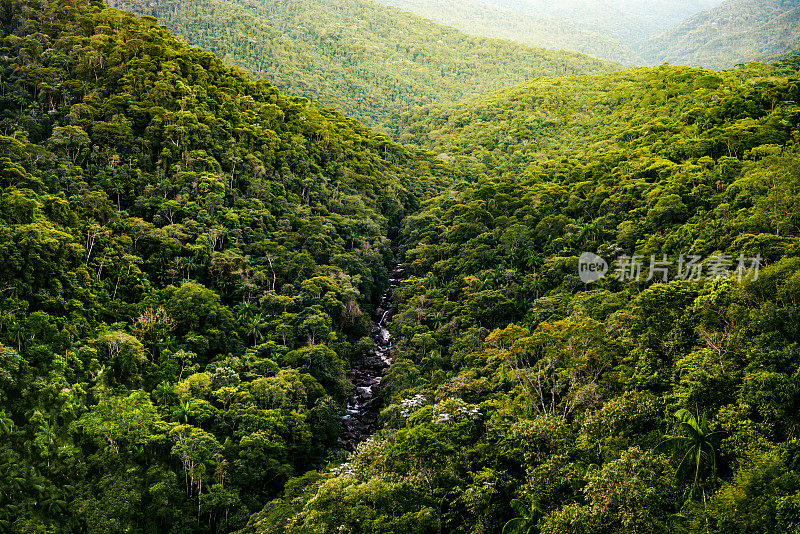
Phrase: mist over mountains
(612, 29)
(707, 33)
(733, 32)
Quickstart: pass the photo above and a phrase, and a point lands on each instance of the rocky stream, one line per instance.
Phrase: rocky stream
(364, 404)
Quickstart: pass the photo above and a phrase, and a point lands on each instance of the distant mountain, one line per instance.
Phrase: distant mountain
(629, 21)
(503, 20)
(658, 15)
(610, 29)
(734, 32)
(367, 60)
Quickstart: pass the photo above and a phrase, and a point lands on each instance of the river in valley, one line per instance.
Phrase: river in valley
(364, 404)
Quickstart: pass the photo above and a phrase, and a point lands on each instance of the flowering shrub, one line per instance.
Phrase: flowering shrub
(409, 406)
(454, 409)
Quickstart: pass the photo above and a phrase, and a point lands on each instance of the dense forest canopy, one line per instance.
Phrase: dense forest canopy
(365, 59)
(521, 397)
(191, 258)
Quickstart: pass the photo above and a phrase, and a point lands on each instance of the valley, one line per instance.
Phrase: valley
(228, 307)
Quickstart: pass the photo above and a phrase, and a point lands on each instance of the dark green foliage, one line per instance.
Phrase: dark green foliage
(188, 259)
(515, 383)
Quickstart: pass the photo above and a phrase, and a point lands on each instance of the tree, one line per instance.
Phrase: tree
(695, 446)
(527, 517)
(197, 450)
(126, 356)
(10, 364)
(122, 421)
(559, 365)
(254, 326)
(6, 424)
(70, 140)
(780, 203)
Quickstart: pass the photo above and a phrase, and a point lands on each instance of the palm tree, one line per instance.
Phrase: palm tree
(167, 342)
(588, 232)
(17, 330)
(164, 393)
(183, 410)
(437, 318)
(254, 327)
(53, 504)
(245, 309)
(190, 264)
(525, 522)
(696, 445)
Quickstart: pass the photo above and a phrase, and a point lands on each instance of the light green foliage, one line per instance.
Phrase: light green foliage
(734, 32)
(131, 421)
(362, 58)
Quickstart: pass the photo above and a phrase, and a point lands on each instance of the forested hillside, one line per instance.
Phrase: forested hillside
(189, 261)
(737, 31)
(594, 329)
(522, 399)
(366, 60)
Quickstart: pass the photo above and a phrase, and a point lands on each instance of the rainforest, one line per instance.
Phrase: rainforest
(228, 308)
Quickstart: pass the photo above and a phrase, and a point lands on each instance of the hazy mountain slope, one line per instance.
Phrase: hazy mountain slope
(611, 29)
(501, 20)
(627, 20)
(363, 58)
(658, 15)
(734, 32)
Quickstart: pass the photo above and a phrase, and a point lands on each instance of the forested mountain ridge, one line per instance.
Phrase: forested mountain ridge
(367, 60)
(189, 261)
(546, 118)
(522, 399)
(734, 32)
